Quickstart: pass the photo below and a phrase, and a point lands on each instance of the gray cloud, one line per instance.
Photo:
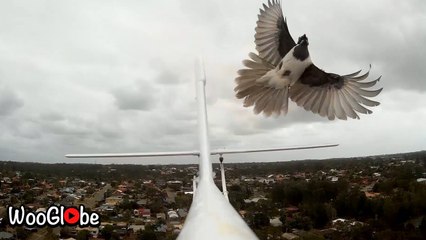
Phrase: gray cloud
(113, 77)
(168, 77)
(9, 101)
(140, 97)
(52, 116)
(297, 116)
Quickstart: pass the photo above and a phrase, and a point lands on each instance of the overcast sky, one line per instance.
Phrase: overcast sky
(117, 76)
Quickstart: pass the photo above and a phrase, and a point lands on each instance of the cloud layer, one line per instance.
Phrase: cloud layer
(114, 76)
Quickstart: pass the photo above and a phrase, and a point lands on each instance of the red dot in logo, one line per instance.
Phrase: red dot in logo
(71, 216)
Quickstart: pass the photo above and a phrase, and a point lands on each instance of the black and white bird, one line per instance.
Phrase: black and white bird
(283, 69)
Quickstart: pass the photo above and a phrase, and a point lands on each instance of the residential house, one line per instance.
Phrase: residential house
(94, 231)
(142, 212)
(113, 200)
(161, 216)
(136, 227)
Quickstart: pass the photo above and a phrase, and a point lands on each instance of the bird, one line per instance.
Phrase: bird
(283, 70)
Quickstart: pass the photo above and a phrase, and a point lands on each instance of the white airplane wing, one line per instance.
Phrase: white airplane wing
(148, 154)
(226, 151)
(195, 153)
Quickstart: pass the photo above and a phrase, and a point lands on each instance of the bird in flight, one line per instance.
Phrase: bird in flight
(283, 69)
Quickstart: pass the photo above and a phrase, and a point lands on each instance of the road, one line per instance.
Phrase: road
(90, 202)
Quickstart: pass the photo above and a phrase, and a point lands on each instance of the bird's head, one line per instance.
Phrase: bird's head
(303, 40)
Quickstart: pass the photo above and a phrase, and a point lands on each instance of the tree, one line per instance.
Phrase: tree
(300, 222)
(156, 205)
(83, 235)
(353, 203)
(183, 200)
(283, 219)
(50, 235)
(422, 226)
(312, 236)
(148, 235)
(260, 220)
(21, 233)
(319, 213)
(107, 231)
(65, 232)
(171, 236)
(128, 205)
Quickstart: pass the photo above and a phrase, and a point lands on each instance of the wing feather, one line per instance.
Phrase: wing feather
(362, 77)
(362, 99)
(364, 84)
(334, 96)
(280, 101)
(320, 100)
(254, 65)
(366, 93)
(352, 74)
(349, 111)
(272, 38)
(305, 96)
(272, 101)
(263, 101)
(338, 109)
(330, 107)
(310, 102)
(253, 96)
(325, 104)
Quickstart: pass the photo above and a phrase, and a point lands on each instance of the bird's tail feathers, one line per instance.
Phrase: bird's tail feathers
(265, 99)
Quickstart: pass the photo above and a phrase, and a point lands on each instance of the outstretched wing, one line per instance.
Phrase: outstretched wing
(332, 95)
(273, 42)
(272, 38)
